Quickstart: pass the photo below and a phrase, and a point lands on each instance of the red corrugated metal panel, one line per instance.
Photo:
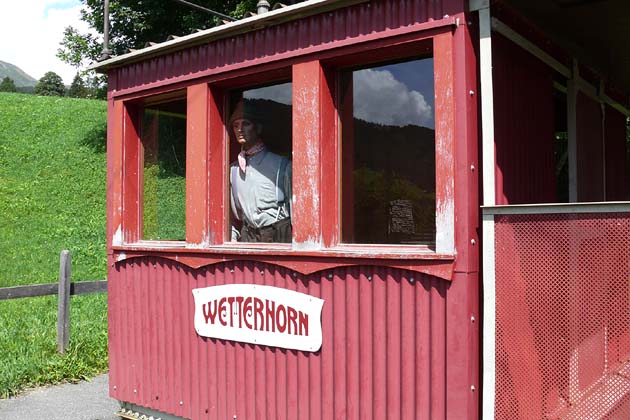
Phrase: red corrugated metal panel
(524, 125)
(383, 353)
(563, 316)
(282, 41)
(590, 150)
(617, 181)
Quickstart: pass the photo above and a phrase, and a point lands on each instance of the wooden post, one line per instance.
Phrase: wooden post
(63, 309)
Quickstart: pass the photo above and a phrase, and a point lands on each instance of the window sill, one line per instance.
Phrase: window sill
(415, 258)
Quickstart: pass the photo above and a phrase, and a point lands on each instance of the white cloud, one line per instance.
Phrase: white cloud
(379, 97)
(31, 31)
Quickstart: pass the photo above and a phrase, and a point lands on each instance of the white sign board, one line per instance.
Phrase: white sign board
(265, 315)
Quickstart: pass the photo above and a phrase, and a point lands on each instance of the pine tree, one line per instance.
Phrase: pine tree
(78, 88)
(7, 85)
(50, 84)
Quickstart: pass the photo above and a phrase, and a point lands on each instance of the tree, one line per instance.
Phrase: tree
(78, 88)
(50, 84)
(7, 85)
(134, 23)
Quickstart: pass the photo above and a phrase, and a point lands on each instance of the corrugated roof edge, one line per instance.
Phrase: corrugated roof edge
(274, 17)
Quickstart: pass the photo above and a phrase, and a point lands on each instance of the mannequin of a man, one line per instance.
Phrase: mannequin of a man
(260, 182)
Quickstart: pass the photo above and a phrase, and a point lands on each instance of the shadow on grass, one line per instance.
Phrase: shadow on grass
(96, 138)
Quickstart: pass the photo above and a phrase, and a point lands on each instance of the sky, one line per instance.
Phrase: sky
(30, 33)
(395, 94)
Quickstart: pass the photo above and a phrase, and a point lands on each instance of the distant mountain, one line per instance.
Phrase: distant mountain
(19, 77)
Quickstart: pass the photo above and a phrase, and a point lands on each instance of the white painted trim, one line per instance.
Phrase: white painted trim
(489, 199)
(529, 46)
(560, 208)
(489, 318)
(614, 104)
(487, 107)
(475, 5)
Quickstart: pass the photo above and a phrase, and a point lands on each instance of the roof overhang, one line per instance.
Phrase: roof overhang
(274, 17)
(595, 32)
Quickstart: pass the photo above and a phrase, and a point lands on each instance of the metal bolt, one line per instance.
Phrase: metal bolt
(370, 278)
(115, 387)
(181, 403)
(135, 391)
(294, 274)
(472, 388)
(446, 16)
(472, 168)
(472, 319)
(471, 92)
(473, 242)
(411, 280)
(330, 276)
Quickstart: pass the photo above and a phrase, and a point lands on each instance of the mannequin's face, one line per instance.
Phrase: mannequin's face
(247, 132)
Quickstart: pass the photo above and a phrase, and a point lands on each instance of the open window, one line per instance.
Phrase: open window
(388, 188)
(260, 173)
(157, 136)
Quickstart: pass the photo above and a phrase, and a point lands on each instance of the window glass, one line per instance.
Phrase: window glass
(388, 153)
(260, 177)
(164, 178)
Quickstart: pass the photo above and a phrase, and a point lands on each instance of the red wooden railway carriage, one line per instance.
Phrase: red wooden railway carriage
(427, 138)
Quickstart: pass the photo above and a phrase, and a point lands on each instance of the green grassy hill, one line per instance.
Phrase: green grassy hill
(52, 197)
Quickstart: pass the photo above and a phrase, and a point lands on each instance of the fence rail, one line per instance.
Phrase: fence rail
(64, 289)
(81, 288)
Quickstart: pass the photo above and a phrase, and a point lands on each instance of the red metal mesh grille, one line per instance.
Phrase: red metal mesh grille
(563, 319)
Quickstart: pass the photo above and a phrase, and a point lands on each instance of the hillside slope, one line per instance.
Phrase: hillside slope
(19, 77)
(52, 197)
(52, 187)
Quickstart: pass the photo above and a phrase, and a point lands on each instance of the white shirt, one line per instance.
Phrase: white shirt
(261, 196)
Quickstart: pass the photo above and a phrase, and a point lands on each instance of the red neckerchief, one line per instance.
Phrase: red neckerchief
(244, 154)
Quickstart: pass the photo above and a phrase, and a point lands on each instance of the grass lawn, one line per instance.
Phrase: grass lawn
(52, 197)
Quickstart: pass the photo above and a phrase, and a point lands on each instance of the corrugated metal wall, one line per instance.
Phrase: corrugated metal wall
(590, 150)
(383, 351)
(299, 37)
(616, 173)
(524, 125)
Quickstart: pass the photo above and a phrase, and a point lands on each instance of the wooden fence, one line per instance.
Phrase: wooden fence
(64, 288)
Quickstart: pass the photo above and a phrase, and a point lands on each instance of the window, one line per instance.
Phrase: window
(163, 137)
(388, 182)
(260, 173)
